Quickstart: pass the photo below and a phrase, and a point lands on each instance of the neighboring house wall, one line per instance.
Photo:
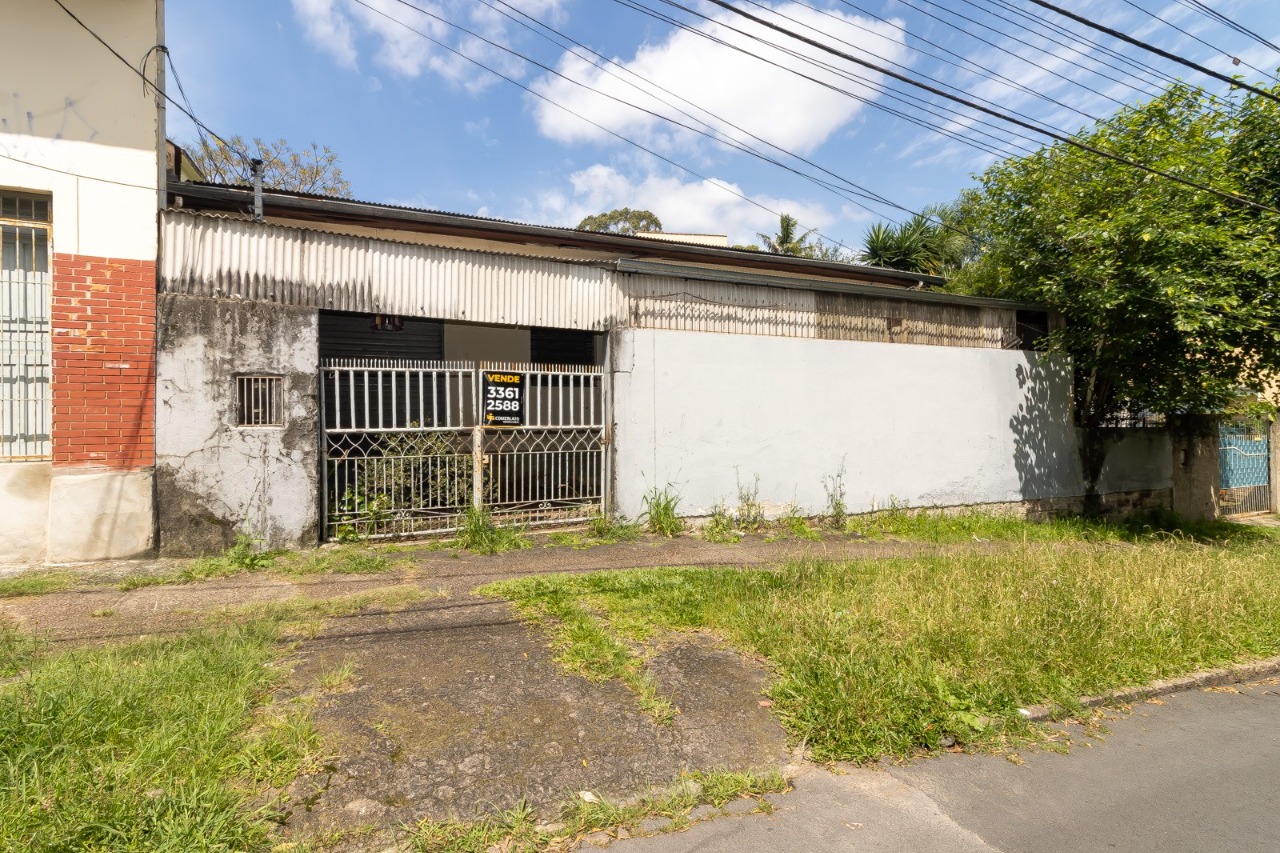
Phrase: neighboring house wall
(79, 130)
(912, 425)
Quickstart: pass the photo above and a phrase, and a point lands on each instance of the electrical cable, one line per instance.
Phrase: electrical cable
(146, 82)
(1172, 57)
(1193, 36)
(571, 112)
(1215, 15)
(905, 97)
(1012, 120)
(974, 67)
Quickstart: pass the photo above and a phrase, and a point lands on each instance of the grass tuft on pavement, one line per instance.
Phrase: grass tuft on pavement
(518, 828)
(890, 657)
(34, 583)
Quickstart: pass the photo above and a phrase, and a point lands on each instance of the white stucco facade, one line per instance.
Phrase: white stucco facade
(911, 425)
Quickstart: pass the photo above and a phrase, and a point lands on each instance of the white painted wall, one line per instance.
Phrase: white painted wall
(919, 425)
(24, 496)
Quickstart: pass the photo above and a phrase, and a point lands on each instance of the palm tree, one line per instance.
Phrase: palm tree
(785, 242)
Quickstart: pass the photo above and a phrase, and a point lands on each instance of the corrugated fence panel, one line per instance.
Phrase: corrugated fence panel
(659, 302)
(217, 256)
(656, 302)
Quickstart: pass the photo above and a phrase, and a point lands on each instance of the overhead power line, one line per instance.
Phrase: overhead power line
(1223, 19)
(188, 113)
(1172, 57)
(1052, 134)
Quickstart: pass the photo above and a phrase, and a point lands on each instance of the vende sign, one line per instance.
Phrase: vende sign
(503, 399)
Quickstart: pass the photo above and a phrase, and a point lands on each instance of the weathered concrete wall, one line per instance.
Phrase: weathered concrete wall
(915, 425)
(1197, 468)
(24, 494)
(215, 479)
(1274, 446)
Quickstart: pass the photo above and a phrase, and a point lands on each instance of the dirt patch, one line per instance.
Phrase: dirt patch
(457, 709)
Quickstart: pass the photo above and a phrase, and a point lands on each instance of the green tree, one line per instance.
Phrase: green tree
(313, 169)
(934, 242)
(622, 220)
(788, 240)
(1171, 295)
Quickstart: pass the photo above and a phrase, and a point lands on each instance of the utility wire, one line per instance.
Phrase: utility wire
(1193, 36)
(571, 112)
(609, 62)
(1223, 19)
(1173, 57)
(146, 82)
(972, 105)
(713, 135)
(1001, 140)
(969, 65)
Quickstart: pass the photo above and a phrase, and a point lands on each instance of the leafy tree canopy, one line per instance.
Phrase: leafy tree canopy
(622, 220)
(312, 169)
(1171, 294)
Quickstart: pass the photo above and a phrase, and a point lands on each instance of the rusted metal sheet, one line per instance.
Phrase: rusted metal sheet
(217, 256)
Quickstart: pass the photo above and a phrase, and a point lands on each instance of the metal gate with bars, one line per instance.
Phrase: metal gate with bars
(1245, 462)
(405, 449)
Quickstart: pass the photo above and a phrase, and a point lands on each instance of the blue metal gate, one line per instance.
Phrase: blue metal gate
(1245, 458)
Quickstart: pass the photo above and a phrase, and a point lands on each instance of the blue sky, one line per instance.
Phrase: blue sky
(416, 124)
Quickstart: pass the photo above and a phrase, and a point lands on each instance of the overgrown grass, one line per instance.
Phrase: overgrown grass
(150, 746)
(34, 583)
(893, 656)
(478, 533)
(517, 829)
(969, 525)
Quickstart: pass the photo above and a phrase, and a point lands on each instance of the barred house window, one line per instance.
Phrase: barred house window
(259, 401)
(25, 409)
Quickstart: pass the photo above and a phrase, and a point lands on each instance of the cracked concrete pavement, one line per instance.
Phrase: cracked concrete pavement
(1189, 772)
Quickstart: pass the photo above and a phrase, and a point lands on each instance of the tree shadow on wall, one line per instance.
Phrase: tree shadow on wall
(1045, 443)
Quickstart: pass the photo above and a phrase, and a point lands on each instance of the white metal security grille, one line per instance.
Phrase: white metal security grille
(406, 450)
(25, 357)
(259, 401)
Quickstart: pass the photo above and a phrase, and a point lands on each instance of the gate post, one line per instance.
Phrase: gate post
(1196, 467)
(477, 467)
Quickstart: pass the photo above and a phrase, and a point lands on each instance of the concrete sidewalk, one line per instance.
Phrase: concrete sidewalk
(1194, 772)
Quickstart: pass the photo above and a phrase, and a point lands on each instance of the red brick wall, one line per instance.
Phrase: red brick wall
(104, 332)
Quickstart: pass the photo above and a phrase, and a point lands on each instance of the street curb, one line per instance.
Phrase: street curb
(1235, 674)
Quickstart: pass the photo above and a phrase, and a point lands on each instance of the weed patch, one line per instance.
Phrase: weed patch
(478, 533)
(144, 746)
(720, 527)
(890, 657)
(661, 512)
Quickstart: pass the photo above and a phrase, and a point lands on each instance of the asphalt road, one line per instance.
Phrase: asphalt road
(1198, 772)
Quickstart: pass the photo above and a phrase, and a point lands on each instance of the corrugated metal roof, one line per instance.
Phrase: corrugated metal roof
(216, 256)
(339, 210)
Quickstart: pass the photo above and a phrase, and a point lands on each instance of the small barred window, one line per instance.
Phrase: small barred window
(259, 401)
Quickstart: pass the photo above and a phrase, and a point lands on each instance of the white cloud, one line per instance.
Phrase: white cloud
(709, 206)
(327, 28)
(767, 100)
(399, 38)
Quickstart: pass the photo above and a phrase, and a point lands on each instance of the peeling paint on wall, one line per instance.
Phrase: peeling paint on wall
(215, 479)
